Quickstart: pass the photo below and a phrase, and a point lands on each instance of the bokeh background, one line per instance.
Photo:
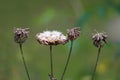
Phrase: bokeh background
(41, 15)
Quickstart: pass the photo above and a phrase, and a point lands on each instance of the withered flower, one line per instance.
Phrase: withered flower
(20, 37)
(20, 34)
(51, 38)
(73, 33)
(99, 39)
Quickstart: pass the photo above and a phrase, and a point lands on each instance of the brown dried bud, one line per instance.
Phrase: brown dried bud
(51, 38)
(20, 35)
(99, 39)
(73, 33)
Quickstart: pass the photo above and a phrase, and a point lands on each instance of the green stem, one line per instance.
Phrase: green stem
(99, 49)
(23, 59)
(51, 63)
(67, 62)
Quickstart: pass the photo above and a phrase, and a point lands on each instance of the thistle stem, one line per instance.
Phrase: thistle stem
(99, 49)
(23, 59)
(67, 62)
(51, 63)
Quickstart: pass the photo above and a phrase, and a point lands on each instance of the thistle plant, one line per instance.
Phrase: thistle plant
(99, 39)
(72, 34)
(51, 38)
(20, 36)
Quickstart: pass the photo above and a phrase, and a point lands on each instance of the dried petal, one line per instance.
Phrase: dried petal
(73, 33)
(99, 39)
(51, 38)
(21, 34)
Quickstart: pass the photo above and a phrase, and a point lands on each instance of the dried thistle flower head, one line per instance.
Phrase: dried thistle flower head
(73, 33)
(99, 39)
(21, 34)
(51, 38)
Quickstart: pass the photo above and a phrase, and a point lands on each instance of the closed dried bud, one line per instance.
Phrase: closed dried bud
(99, 39)
(51, 38)
(21, 34)
(73, 33)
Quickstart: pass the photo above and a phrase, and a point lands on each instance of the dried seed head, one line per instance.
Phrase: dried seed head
(51, 38)
(73, 33)
(99, 39)
(21, 34)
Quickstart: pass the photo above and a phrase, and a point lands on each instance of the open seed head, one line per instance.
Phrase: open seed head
(20, 35)
(73, 33)
(99, 39)
(51, 38)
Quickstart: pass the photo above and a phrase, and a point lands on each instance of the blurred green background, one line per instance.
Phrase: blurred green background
(40, 15)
